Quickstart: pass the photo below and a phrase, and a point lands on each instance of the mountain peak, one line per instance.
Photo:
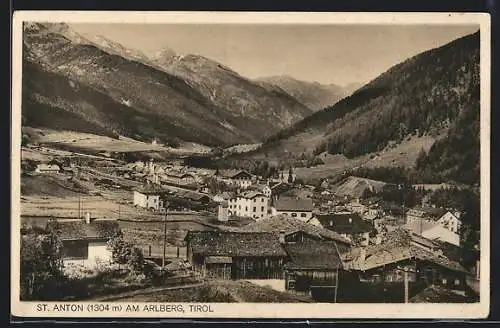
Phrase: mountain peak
(164, 54)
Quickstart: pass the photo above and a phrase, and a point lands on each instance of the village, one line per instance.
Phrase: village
(333, 242)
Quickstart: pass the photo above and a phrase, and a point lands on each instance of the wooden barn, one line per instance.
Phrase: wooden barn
(236, 255)
(313, 268)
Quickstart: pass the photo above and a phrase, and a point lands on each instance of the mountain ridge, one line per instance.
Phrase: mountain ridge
(155, 96)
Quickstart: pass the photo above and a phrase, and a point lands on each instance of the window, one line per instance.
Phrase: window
(262, 199)
(255, 209)
(246, 208)
(294, 215)
(444, 281)
(254, 200)
(457, 282)
(262, 208)
(303, 215)
(75, 250)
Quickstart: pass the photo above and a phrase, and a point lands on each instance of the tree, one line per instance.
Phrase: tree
(120, 249)
(136, 260)
(41, 264)
(290, 175)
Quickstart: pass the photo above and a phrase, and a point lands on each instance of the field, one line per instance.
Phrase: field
(87, 143)
(220, 291)
(404, 154)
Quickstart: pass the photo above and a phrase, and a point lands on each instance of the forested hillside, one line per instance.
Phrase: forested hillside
(434, 93)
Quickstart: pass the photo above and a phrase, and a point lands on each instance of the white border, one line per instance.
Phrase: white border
(266, 310)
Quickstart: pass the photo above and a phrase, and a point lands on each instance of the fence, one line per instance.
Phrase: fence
(156, 251)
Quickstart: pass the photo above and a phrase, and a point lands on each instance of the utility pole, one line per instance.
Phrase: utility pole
(164, 236)
(406, 284)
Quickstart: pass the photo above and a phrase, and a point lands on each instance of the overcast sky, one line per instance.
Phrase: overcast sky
(337, 54)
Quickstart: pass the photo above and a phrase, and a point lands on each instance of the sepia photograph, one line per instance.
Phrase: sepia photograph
(165, 165)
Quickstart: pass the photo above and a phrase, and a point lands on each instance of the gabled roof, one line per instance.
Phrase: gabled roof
(219, 243)
(80, 230)
(396, 246)
(348, 223)
(289, 225)
(293, 204)
(313, 254)
(428, 211)
(251, 194)
(232, 173)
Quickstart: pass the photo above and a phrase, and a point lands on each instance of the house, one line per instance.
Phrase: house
(451, 221)
(224, 196)
(279, 188)
(295, 208)
(433, 231)
(240, 178)
(356, 206)
(349, 225)
(149, 196)
(84, 242)
(313, 267)
(179, 178)
(250, 203)
(384, 264)
(424, 213)
(236, 255)
(307, 267)
(263, 188)
(297, 230)
(47, 168)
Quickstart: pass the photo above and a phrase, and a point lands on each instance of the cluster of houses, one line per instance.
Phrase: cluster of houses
(299, 241)
(299, 257)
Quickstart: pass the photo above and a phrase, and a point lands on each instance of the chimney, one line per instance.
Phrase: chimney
(87, 218)
(282, 237)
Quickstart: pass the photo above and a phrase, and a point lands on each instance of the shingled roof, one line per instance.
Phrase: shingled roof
(293, 204)
(288, 225)
(396, 246)
(219, 243)
(80, 230)
(348, 223)
(313, 254)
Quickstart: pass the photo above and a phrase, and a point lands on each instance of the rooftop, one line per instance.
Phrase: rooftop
(396, 246)
(348, 223)
(218, 243)
(428, 211)
(293, 204)
(288, 225)
(250, 194)
(80, 230)
(313, 254)
(233, 173)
